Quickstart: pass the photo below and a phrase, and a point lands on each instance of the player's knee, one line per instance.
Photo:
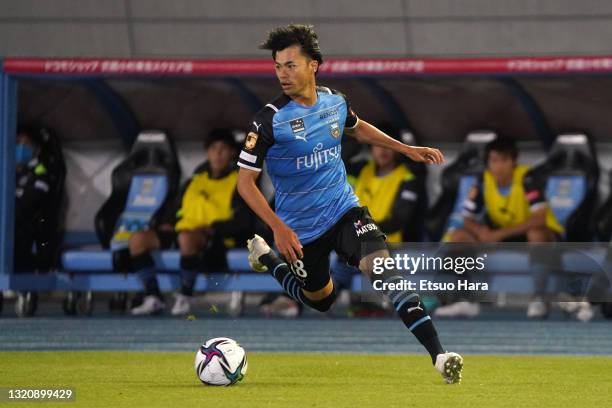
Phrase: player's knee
(142, 241)
(321, 299)
(190, 242)
(461, 235)
(324, 304)
(540, 234)
(367, 263)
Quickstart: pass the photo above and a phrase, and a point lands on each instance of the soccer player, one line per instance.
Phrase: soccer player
(298, 136)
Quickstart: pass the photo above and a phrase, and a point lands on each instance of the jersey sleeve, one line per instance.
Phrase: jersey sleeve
(473, 205)
(258, 140)
(534, 192)
(351, 118)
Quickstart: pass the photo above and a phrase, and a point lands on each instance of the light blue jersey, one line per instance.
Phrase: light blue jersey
(301, 148)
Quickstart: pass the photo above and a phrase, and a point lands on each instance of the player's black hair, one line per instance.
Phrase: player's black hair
(503, 145)
(221, 135)
(294, 34)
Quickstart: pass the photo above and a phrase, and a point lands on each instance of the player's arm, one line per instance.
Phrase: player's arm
(251, 160)
(511, 231)
(473, 206)
(285, 238)
(369, 134)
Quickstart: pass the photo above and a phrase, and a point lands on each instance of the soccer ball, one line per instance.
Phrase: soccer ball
(220, 361)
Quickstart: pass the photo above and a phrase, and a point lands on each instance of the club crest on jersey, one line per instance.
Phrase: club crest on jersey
(361, 228)
(251, 141)
(335, 130)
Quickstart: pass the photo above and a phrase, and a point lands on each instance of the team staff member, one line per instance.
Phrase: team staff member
(34, 185)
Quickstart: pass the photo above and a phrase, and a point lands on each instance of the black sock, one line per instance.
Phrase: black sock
(189, 273)
(282, 273)
(144, 266)
(414, 315)
(292, 287)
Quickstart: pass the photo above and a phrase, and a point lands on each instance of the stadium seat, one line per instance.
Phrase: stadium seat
(570, 173)
(603, 228)
(456, 181)
(603, 217)
(141, 185)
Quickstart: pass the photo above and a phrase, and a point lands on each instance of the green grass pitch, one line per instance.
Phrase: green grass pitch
(167, 379)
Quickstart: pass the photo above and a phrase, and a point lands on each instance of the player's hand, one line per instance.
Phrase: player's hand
(288, 243)
(486, 234)
(426, 155)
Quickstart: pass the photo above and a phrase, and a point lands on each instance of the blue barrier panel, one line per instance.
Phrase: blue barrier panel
(8, 118)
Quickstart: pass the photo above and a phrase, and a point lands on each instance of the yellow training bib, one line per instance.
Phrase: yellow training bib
(513, 209)
(207, 200)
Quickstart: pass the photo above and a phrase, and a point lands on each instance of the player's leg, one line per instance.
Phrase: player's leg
(191, 243)
(456, 306)
(354, 232)
(307, 281)
(544, 261)
(140, 245)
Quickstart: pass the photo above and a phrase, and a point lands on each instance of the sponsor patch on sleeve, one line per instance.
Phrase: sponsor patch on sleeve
(251, 141)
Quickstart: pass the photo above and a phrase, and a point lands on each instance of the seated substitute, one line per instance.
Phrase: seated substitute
(212, 218)
(503, 206)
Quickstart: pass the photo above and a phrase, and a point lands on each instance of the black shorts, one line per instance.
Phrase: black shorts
(346, 237)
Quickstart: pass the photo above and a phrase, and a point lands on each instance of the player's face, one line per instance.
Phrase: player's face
(25, 150)
(220, 156)
(295, 71)
(501, 166)
(383, 157)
